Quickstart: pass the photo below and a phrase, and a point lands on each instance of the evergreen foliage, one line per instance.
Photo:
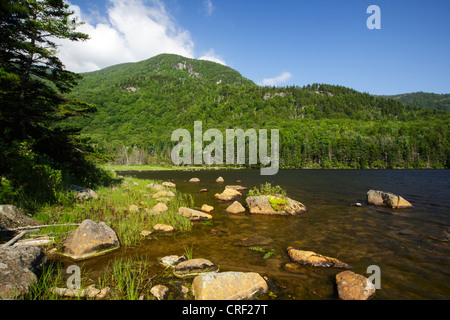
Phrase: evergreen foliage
(321, 126)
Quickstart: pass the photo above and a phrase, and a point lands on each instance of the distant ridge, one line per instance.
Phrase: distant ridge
(425, 100)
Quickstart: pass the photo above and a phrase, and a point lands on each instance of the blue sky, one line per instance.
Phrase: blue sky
(284, 42)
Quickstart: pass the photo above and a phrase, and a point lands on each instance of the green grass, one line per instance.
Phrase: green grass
(113, 208)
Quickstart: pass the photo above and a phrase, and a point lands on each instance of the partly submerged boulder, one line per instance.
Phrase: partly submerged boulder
(207, 208)
(194, 215)
(194, 267)
(352, 286)
(235, 208)
(381, 198)
(228, 195)
(275, 205)
(89, 240)
(315, 259)
(228, 286)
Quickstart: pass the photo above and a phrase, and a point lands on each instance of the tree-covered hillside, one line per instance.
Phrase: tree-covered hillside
(140, 104)
(424, 100)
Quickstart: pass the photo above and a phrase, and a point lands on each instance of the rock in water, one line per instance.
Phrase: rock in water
(381, 198)
(194, 267)
(220, 180)
(352, 286)
(315, 259)
(262, 205)
(194, 180)
(228, 286)
(194, 215)
(228, 195)
(206, 208)
(236, 207)
(89, 240)
(18, 269)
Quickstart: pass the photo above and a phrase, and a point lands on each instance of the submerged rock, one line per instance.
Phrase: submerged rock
(236, 187)
(352, 286)
(18, 269)
(194, 215)
(194, 267)
(381, 198)
(228, 286)
(171, 261)
(315, 259)
(262, 205)
(254, 241)
(89, 240)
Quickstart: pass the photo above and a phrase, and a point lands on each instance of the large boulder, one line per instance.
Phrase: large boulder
(228, 286)
(18, 269)
(194, 267)
(352, 286)
(315, 259)
(89, 240)
(274, 205)
(11, 217)
(194, 215)
(228, 195)
(381, 198)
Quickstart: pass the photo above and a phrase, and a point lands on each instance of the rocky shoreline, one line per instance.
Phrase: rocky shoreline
(20, 264)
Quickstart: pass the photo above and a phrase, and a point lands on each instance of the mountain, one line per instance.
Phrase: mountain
(424, 100)
(321, 126)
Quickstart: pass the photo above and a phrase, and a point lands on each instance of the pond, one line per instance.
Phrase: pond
(406, 244)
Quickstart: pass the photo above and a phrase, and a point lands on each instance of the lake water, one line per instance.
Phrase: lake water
(403, 243)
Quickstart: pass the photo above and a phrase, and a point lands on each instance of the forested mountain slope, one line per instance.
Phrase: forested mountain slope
(424, 100)
(321, 126)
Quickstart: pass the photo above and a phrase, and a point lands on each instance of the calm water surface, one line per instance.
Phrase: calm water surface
(404, 243)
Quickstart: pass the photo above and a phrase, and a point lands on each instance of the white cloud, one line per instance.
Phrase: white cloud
(282, 78)
(209, 7)
(210, 55)
(131, 31)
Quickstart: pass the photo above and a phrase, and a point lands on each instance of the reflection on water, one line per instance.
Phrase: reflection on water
(403, 243)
